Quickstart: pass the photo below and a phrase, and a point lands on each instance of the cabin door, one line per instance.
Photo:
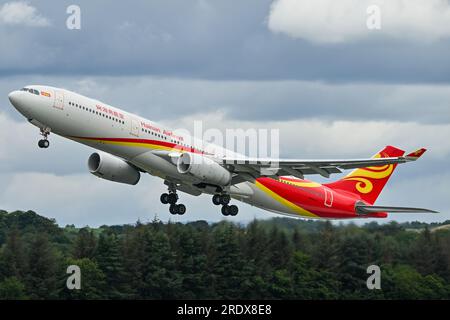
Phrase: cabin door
(59, 100)
(134, 127)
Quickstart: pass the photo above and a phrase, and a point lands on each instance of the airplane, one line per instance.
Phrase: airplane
(130, 145)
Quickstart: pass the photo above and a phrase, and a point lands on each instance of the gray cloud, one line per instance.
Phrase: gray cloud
(21, 13)
(178, 61)
(208, 40)
(328, 21)
(257, 100)
(56, 182)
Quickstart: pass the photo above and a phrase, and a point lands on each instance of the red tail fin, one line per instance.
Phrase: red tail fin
(369, 182)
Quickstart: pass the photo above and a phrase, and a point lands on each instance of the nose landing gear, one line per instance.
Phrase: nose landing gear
(224, 200)
(44, 143)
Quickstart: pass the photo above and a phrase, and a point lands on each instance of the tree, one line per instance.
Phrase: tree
(85, 244)
(281, 286)
(309, 283)
(404, 282)
(42, 278)
(13, 260)
(259, 271)
(161, 277)
(109, 260)
(93, 285)
(134, 257)
(423, 254)
(228, 263)
(270, 259)
(325, 253)
(193, 265)
(280, 249)
(12, 289)
(352, 266)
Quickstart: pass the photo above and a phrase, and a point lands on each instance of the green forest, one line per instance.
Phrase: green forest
(280, 258)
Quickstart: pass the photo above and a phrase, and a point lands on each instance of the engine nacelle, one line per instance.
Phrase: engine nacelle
(204, 169)
(108, 167)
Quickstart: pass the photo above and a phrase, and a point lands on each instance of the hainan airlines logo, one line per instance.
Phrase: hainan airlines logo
(364, 176)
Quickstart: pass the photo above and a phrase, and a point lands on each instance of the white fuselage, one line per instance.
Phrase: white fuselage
(106, 128)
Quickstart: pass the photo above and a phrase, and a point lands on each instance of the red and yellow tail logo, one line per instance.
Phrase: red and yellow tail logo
(368, 182)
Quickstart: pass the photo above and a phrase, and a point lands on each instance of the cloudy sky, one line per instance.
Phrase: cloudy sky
(311, 69)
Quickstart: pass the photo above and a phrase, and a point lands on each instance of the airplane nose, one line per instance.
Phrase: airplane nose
(18, 100)
(13, 97)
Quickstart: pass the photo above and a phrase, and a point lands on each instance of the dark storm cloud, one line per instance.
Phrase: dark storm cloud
(205, 39)
(168, 60)
(166, 98)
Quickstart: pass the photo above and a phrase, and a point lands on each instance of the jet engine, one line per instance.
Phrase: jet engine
(204, 169)
(108, 167)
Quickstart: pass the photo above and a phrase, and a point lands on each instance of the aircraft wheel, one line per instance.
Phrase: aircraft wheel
(164, 198)
(181, 209)
(225, 199)
(173, 209)
(226, 210)
(43, 144)
(233, 210)
(172, 198)
(216, 199)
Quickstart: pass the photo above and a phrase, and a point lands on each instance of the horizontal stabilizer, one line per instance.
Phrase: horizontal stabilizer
(363, 209)
(416, 154)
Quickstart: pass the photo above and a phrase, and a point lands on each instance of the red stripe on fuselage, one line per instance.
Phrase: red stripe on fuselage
(144, 141)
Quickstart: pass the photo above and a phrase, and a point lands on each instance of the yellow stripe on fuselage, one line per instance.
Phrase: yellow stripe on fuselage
(297, 209)
(129, 144)
(136, 144)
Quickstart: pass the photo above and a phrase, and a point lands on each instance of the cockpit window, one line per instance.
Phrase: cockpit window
(35, 92)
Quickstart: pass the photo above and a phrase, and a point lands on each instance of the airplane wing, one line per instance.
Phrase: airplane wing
(364, 209)
(299, 168)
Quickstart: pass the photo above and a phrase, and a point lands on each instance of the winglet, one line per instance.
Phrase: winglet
(416, 154)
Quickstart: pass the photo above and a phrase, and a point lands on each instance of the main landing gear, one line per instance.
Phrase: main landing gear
(44, 143)
(172, 198)
(224, 200)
